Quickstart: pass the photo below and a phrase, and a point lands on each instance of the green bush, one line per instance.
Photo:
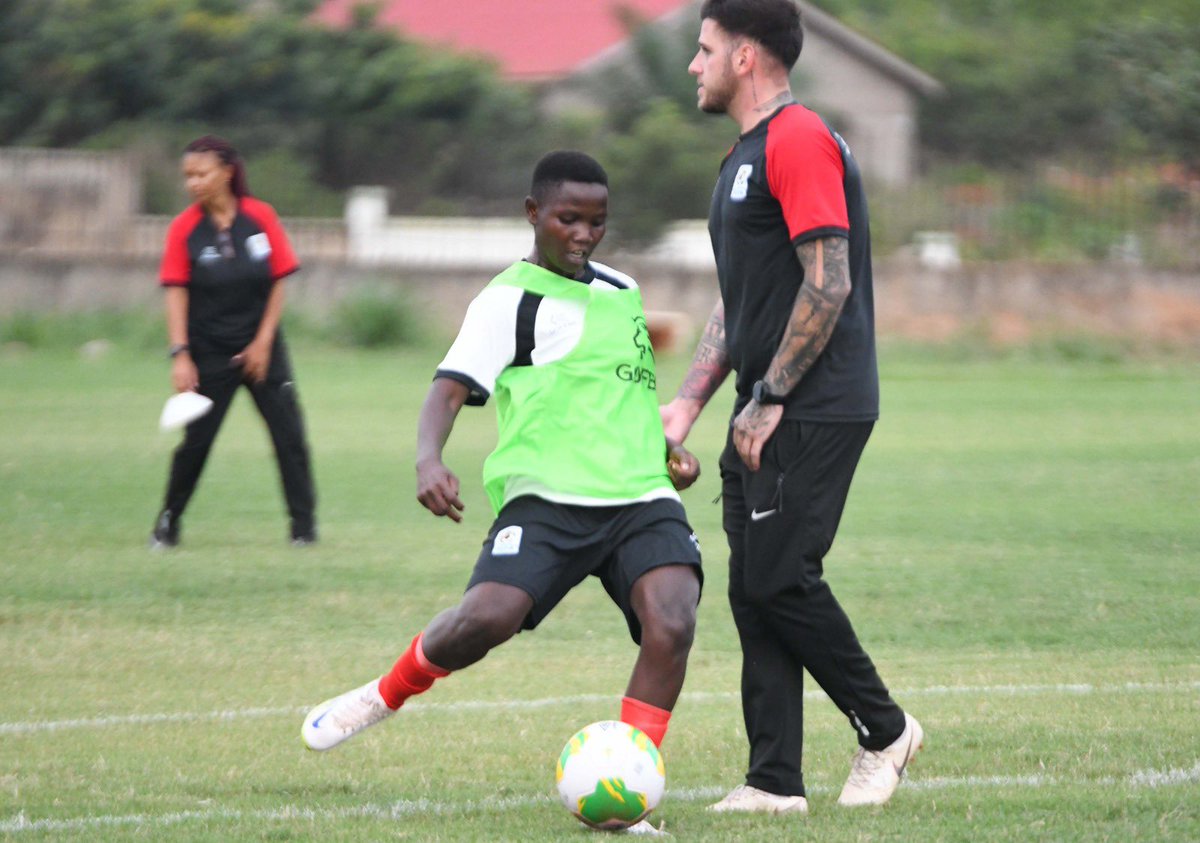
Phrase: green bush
(374, 317)
(23, 329)
(140, 330)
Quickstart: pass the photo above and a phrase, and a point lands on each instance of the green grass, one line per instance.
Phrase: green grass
(1021, 556)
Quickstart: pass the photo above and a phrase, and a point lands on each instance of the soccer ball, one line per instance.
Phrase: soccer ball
(610, 775)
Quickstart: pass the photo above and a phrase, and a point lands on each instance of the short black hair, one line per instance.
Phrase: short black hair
(565, 165)
(775, 24)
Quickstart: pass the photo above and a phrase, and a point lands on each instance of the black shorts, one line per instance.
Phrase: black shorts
(546, 549)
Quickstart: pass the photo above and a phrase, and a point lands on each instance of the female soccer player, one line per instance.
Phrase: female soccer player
(582, 480)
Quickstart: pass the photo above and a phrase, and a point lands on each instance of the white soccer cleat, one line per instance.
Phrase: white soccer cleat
(335, 720)
(747, 798)
(874, 776)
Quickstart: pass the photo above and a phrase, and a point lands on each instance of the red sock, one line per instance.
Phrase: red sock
(412, 674)
(650, 719)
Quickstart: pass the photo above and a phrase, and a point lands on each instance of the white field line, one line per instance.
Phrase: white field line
(396, 810)
(415, 707)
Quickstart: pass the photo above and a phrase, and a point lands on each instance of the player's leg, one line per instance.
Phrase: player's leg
(218, 382)
(280, 408)
(527, 564)
(488, 615)
(653, 574)
(772, 682)
(664, 600)
(817, 463)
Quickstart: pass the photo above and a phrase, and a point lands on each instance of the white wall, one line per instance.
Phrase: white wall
(468, 243)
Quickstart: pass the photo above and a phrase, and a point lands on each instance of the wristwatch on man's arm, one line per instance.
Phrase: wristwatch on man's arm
(763, 394)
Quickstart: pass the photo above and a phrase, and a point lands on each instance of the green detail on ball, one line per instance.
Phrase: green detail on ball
(612, 801)
(573, 746)
(644, 742)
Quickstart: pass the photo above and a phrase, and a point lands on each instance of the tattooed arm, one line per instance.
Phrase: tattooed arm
(819, 302)
(710, 366)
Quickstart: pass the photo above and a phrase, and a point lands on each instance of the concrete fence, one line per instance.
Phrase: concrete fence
(70, 240)
(1008, 302)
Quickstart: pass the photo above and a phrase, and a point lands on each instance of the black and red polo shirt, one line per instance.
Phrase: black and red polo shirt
(789, 180)
(229, 274)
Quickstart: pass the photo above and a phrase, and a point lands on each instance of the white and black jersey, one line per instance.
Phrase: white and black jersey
(507, 326)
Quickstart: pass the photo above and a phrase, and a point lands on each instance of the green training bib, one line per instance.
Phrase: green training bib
(588, 423)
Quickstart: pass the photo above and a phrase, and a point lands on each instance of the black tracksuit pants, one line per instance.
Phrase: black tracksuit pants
(780, 522)
(276, 400)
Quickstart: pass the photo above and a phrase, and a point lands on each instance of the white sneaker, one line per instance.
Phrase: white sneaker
(747, 798)
(874, 776)
(644, 827)
(335, 720)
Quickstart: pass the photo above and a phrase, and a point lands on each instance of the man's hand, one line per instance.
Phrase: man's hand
(682, 466)
(254, 359)
(752, 428)
(437, 489)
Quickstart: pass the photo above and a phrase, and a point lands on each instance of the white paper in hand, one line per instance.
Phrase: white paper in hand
(183, 408)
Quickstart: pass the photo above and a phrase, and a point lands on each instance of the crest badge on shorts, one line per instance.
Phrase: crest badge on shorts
(507, 542)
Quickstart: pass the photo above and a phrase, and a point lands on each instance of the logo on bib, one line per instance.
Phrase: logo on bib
(641, 338)
(741, 183)
(507, 542)
(635, 372)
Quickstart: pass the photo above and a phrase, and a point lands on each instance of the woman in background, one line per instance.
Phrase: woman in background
(222, 269)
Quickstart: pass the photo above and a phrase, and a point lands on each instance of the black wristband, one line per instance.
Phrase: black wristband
(763, 395)
(177, 349)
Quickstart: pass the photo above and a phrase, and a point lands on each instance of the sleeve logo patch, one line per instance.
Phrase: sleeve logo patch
(741, 183)
(258, 247)
(507, 542)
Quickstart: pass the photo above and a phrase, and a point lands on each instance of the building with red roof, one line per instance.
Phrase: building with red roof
(532, 40)
(873, 92)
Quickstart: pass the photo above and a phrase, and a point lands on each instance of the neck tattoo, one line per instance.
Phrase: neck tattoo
(782, 98)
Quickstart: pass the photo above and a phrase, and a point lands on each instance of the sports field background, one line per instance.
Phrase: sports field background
(1021, 556)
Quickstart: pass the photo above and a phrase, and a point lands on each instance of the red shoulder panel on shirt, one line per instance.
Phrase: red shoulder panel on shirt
(282, 260)
(175, 270)
(805, 172)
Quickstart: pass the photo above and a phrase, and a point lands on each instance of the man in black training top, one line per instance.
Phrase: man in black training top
(795, 322)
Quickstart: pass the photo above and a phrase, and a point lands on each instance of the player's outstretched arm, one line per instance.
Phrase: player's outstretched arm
(437, 485)
(709, 368)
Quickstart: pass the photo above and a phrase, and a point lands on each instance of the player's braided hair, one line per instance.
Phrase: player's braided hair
(228, 155)
(775, 24)
(565, 165)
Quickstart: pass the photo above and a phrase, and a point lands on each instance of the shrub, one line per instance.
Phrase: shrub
(374, 317)
(139, 330)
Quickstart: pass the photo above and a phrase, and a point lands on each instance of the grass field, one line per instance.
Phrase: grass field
(1021, 556)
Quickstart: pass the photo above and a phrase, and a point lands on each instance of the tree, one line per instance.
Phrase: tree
(1156, 70)
(360, 104)
(663, 170)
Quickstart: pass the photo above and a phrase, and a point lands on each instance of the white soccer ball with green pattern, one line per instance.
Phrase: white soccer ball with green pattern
(610, 775)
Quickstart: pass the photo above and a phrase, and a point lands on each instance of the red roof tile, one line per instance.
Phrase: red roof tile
(529, 39)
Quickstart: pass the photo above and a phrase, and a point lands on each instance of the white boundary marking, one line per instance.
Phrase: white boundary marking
(1143, 779)
(33, 726)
